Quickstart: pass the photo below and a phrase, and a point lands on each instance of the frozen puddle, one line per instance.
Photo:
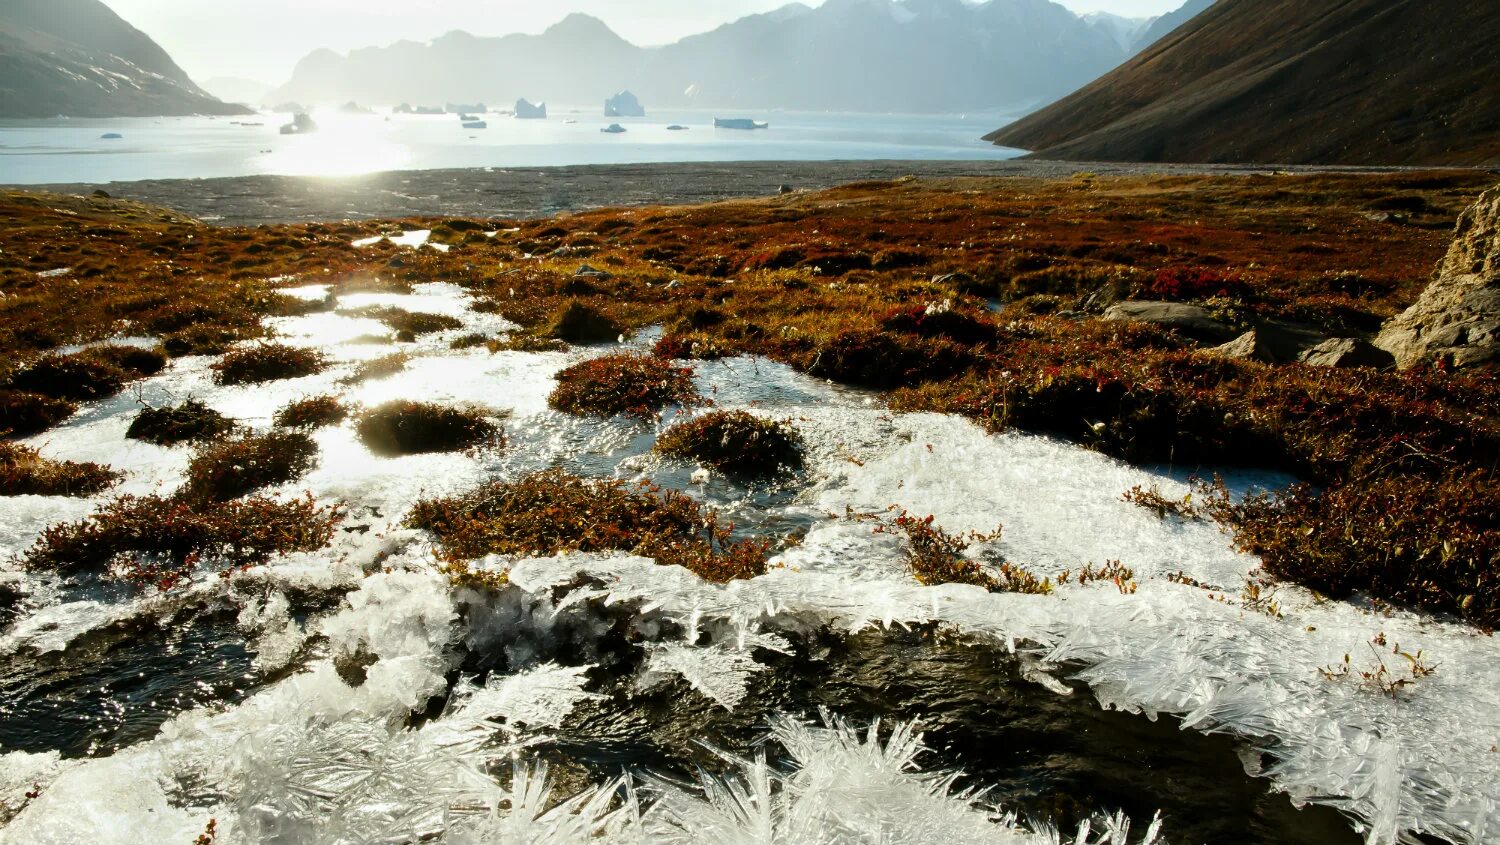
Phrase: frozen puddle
(301, 756)
(412, 240)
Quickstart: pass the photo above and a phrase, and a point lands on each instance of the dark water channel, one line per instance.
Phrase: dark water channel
(1045, 756)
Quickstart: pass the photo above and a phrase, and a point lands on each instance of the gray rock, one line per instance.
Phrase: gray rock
(1246, 347)
(1456, 320)
(1188, 320)
(1348, 352)
(1287, 342)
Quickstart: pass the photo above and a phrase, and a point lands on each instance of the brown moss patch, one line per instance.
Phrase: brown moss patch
(233, 468)
(23, 414)
(313, 412)
(265, 362)
(416, 428)
(627, 383)
(552, 513)
(735, 442)
(156, 540)
(91, 374)
(580, 323)
(24, 472)
(377, 368)
(188, 422)
(410, 323)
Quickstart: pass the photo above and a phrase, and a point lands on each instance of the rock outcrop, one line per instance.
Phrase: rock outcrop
(1456, 321)
(1190, 321)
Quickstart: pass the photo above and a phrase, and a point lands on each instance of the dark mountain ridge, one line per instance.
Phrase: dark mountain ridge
(1358, 82)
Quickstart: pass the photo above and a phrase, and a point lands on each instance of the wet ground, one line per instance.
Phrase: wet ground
(532, 192)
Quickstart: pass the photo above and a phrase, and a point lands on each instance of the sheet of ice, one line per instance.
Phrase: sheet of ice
(414, 240)
(1166, 649)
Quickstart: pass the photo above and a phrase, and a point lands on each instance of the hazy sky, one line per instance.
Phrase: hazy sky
(263, 39)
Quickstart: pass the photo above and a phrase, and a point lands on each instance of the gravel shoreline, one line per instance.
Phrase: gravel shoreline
(534, 192)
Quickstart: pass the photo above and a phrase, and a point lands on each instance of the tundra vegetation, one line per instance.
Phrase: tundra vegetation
(735, 442)
(415, 428)
(977, 297)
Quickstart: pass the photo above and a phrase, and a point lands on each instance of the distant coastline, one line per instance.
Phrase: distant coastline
(538, 191)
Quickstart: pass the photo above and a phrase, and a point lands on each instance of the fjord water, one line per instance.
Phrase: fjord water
(68, 150)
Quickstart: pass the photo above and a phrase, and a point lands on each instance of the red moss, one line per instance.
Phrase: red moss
(627, 383)
(160, 541)
(552, 513)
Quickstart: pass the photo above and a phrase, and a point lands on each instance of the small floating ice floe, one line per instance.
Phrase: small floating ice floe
(52, 274)
(613, 129)
(739, 123)
(111, 136)
(476, 124)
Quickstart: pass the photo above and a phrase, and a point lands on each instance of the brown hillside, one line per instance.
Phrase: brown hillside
(1366, 82)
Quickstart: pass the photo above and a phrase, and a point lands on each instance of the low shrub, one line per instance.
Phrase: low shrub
(190, 421)
(24, 472)
(75, 378)
(939, 320)
(135, 360)
(627, 383)
(735, 442)
(160, 541)
(552, 512)
(207, 339)
(1422, 542)
(267, 362)
(937, 557)
(417, 428)
(233, 468)
(410, 323)
(315, 412)
(580, 323)
(377, 368)
(470, 341)
(883, 360)
(525, 342)
(23, 414)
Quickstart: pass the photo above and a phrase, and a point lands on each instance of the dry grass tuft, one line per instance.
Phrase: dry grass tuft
(552, 513)
(23, 472)
(265, 362)
(188, 422)
(311, 413)
(735, 442)
(416, 428)
(24, 414)
(626, 383)
(233, 468)
(160, 541)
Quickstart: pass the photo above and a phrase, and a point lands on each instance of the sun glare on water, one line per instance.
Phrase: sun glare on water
(344, 145)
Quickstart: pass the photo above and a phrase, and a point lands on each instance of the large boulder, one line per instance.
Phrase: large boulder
(1187, 320)
(1456, 320)
(1348, 352)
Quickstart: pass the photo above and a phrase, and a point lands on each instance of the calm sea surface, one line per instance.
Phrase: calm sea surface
(76, 150)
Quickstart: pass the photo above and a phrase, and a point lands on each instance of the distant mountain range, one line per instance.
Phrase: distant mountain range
(78, 58)
(1368, 82)
(923, 56)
